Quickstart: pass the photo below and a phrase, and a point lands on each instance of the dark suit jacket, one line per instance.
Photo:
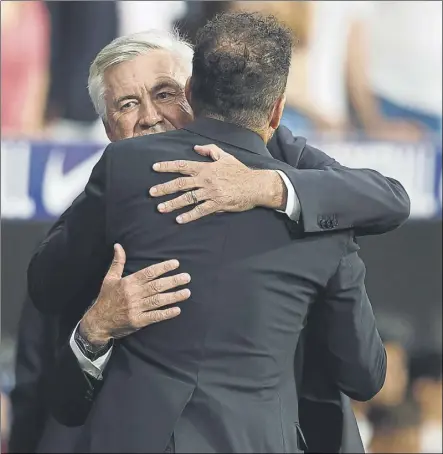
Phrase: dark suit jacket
(37, 333)
(35, 356)
(32, 423)
(219, 375)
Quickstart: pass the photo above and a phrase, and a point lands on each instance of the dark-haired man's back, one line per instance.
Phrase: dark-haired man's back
(219, 377)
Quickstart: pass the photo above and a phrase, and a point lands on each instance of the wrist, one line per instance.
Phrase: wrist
(271, 190)
(92, 332)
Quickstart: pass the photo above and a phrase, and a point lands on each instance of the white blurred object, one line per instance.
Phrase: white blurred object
(405, 42)
(143, 15)
(98, 133)
(327, 55)
(431, 437)
(76, 132)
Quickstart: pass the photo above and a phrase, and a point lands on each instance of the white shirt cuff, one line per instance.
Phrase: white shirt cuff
(293, 207)
(93, 368)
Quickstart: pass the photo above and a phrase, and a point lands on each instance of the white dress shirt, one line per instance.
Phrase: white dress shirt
(96, 368)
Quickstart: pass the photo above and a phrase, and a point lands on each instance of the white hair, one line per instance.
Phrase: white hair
(127, 48)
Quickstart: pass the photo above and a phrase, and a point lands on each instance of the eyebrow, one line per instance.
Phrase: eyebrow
(166, 82)
(163, 83)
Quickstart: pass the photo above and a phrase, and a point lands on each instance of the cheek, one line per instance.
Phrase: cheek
(125, 125)
(178, 114)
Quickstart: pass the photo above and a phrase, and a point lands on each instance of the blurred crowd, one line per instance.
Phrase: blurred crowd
(371, 68)
(406, 416)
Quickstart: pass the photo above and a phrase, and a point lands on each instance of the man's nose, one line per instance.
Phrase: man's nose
(150, 115)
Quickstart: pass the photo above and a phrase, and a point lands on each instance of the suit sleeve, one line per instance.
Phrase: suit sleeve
(75, 254)
(71, 392)
(334, 197)
(354, 352)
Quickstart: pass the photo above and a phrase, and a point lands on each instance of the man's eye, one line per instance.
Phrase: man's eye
(128, 105)
(164, 95)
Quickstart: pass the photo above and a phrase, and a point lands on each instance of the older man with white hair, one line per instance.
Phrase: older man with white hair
(137, 86)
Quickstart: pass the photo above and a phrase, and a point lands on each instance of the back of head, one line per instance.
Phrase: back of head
(240, 68)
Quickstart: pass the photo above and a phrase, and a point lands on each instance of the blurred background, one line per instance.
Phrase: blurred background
(365, 87)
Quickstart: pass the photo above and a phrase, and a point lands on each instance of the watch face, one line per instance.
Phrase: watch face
(91, 352)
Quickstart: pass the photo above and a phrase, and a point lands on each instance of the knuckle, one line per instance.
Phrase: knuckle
(155, 300)
(140, 322)
(188, 197)
(149, 273)
(168, 313)
(182, 164)
(133, 319)
(156, 286)
(157, 316)
(179, 202)
(115, 262)
(199, 210)
(175, 281)
(181, 182)
(107, 280)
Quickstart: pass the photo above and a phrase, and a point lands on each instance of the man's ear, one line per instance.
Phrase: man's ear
(188, 90)
(108, 131)
(277, 112)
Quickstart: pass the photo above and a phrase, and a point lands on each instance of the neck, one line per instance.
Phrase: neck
(265, 133)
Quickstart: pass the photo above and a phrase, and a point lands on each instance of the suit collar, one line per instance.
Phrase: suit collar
(236, 136)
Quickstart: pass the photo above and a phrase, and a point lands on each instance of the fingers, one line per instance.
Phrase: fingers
(165, 299)
(198, 212)
(165, 283)
(182, 201)
(118, 263)
(155, 314)
(153, 272)
(211, 151)
(171, 187)
(148, 318)
(184, 167)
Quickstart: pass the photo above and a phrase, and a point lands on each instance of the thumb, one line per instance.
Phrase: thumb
(118, 263)
(211, 151)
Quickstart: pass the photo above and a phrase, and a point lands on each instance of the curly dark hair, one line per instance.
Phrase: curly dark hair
(240, 67)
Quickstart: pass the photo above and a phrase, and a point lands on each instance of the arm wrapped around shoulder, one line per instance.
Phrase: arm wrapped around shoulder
(356, 355)
(74, 254)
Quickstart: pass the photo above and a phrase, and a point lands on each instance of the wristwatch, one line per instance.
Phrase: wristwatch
(92, 352)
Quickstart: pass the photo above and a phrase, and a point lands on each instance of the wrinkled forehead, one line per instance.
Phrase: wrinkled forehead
(144, 72)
